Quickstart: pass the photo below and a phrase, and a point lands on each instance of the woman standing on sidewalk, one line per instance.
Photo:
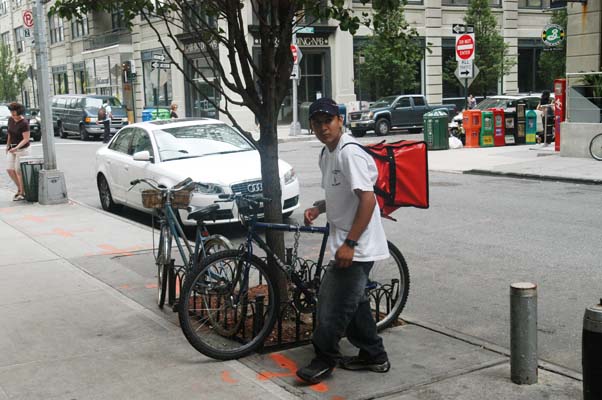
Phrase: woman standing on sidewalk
(17, 146)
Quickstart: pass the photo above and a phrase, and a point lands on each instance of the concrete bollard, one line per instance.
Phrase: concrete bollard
(591, 352)
(523, 333)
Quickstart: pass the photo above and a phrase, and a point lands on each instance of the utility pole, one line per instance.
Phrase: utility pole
(295, 128)
(51, 188)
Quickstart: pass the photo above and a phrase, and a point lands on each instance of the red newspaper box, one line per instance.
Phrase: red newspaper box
(499, 129)
(559, 109)
(471, 122)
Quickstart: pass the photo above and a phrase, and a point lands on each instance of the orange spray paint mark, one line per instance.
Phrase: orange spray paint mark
(62, 233)
(126, 286)
(34, 218)
(151, 286)
(337, 398)
(227, 378)
(6, 210)
(110, 250)
(291, 367)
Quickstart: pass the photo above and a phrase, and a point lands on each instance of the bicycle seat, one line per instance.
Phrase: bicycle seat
(204, 213)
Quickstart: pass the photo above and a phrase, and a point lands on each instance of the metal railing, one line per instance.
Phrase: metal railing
(584, 97)
(109, 38)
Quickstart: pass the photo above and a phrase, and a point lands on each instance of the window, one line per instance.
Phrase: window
(5, 38)
(117, 19)
(122, 143)
(141, 142)
(3, 7)
(79, 77)
(19, 40)
(55, 26)
(157, 82)
(18, 3)
(403, 102)
(493, 3)
(539, 4)
(59, 80)
(418, 101)
(79, 28)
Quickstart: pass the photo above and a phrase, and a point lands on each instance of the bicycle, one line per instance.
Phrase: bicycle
(595, 147)
(230, 302)
(164, 201)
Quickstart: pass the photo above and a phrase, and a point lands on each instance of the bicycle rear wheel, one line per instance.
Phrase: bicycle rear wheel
(228, 305)
(163, 260)
(595, 147)
(216, 243)
(388, 288)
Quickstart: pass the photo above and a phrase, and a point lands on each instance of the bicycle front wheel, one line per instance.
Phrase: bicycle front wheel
(595, 147)
(216, 243)
(228, 305)
(388, 288)
(163, 259)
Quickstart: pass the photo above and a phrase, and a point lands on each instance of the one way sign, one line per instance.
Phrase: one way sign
(465, 69)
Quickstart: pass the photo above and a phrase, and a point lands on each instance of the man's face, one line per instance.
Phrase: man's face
(327, 128)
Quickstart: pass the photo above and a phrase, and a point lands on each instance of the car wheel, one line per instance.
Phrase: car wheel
(383, 127)
(83, 133)
(358, 133)
(62, 132)
(104, 192)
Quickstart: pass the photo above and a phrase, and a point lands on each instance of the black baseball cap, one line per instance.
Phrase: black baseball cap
(324, 105)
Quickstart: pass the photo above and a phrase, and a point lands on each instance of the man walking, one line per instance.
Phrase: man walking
(105, 113)
(356, 240)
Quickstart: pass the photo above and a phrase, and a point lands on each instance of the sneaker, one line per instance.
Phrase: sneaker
(356, 363)
(315, 372)
(18, 197)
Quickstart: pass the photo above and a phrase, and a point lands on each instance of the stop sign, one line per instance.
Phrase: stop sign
(465, 47)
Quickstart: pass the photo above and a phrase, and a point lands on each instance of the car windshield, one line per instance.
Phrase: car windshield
(495, 103)
(4, 113)
(384, 101)
(93, 102)
(198, 141)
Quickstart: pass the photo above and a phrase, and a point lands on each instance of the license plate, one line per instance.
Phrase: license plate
(353, 124)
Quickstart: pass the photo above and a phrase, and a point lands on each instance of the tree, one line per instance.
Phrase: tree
(552, 64)
(12, 74)
(259, 83)
(491, 53)
(390, 53)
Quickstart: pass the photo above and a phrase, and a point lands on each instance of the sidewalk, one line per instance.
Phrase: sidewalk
(77, 302)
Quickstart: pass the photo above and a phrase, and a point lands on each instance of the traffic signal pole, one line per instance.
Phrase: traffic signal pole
(51, 188)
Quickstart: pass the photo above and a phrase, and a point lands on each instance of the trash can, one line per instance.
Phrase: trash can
(304, 115)
(152, 114)
(486, 136)
(471, 122)
(30, 170)
(435, 130)
(530, 127)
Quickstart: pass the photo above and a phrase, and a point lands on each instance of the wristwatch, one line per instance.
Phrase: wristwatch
(350, 243)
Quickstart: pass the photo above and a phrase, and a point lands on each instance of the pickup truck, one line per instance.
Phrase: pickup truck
(401, 112)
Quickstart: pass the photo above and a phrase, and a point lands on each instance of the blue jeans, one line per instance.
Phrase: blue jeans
(344, 309)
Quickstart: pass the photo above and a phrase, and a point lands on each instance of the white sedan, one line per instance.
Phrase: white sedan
(206, 150)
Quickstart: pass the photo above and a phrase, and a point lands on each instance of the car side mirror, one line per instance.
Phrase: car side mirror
(142, 156)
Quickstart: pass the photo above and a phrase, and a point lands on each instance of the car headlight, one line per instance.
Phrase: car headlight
(367, 115)
(89, 120)
(289, 176)
(208, 188)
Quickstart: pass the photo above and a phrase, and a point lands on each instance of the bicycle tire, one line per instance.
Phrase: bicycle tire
(595, 147)
(218, 277)
(217, 243)
(389, 282)
(163, 258)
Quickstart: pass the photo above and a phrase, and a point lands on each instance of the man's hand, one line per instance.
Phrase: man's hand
(344, 256)
(310, 215)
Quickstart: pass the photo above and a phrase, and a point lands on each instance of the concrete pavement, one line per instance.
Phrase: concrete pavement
(79, 319)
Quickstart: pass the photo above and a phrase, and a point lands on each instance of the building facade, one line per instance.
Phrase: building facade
(88, 56)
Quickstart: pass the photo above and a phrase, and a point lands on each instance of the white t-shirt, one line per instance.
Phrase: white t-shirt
(343, 171)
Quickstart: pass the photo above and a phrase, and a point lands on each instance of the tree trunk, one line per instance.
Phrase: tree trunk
(268, 144)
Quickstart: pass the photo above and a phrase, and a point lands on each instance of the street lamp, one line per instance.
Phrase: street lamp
(361, 60)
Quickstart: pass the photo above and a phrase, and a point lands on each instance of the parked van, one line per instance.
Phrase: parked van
(78, 113)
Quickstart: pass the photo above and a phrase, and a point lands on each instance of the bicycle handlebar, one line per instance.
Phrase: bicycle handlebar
(185, 184)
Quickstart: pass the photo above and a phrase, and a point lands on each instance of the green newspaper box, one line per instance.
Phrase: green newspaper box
(486, 136)
(531, 127)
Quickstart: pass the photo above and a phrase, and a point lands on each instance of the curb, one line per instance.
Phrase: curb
(523, 175)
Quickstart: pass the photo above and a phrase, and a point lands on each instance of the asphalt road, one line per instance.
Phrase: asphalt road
(480, 235)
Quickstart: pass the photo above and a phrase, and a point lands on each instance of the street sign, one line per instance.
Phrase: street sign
(465, 46)
(27, 33)
(295, 72)
(461, 28)
(464, 81)
(160, 65)
(159, 57)
(465, 68)
(297, 54)
(28, 19)
(306, 29)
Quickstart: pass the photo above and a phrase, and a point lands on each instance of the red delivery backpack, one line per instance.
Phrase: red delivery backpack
(403, 177)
